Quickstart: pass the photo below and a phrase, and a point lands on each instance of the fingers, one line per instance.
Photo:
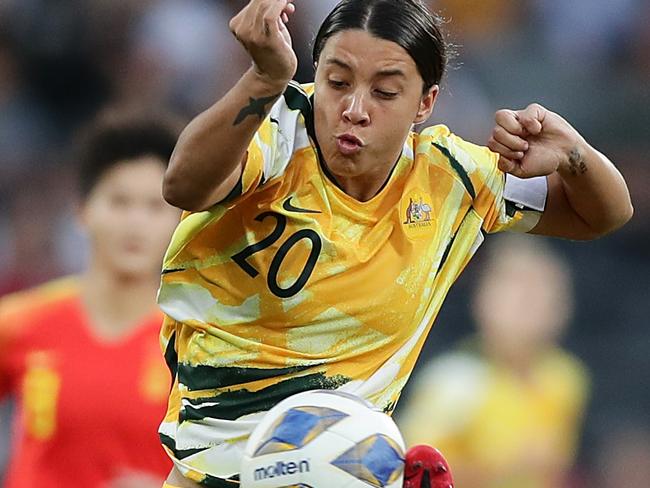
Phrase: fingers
(522, 122)
(260, 28)
(261, 18)
(509, 120)
(505, 151)
(506, 165)
(289, 10)
(510, 140)
(271, 14)
(509, 137)
(512, 167)
(532, 118)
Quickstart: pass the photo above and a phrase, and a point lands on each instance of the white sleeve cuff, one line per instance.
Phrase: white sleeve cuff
(529, 193)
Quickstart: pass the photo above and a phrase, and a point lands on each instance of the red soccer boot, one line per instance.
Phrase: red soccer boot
(426, 467)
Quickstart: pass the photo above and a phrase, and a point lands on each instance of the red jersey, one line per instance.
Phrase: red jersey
(86, 409)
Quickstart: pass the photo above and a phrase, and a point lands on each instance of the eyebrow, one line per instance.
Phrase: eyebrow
(381, 73)
(339, 63)
(390, 72)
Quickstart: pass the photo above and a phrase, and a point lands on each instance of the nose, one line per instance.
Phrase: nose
(355, 110)
(137, 215)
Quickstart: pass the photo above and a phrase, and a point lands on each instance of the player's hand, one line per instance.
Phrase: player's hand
(260, 28)
(533, 141)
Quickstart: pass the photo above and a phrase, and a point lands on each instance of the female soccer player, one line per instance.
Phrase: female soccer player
(323, 233)
(81, 354)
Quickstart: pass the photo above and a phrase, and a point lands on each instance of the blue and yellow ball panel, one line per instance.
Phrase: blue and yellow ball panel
(297, 428)
(377, 460)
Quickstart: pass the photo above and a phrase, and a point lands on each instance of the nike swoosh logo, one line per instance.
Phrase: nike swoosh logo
(290, 208)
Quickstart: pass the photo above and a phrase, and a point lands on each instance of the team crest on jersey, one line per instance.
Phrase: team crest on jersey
(417, 214)
(40, 389)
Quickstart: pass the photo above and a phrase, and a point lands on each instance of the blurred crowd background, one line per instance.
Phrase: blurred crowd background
(589, 60)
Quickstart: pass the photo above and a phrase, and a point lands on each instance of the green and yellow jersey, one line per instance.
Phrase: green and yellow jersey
(291, 284)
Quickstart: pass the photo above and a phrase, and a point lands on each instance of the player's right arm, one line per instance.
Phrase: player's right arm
(210, 154)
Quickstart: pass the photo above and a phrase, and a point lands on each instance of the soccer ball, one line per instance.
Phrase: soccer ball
(324, 439)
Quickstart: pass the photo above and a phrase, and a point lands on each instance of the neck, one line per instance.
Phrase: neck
(356, 180)
(362, 188)
(520, 363)
(367, 185)
(117, 303)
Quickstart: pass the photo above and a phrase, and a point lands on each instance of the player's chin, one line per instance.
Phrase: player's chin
(346, 166)
(131, 268)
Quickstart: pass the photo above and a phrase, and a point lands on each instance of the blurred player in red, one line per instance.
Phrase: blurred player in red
(80, 354)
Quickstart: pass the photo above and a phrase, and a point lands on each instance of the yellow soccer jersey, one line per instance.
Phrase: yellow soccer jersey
(487, 419)
(291, 284)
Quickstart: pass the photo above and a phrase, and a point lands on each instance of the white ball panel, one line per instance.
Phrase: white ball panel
(311, 463)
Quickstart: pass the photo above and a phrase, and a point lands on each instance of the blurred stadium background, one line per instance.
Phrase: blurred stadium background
(61, 61)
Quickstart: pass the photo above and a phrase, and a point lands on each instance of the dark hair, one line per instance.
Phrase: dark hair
(408, 23)
(118, 135)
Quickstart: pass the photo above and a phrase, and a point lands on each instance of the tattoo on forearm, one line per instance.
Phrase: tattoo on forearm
(256, 106)
(577, 163)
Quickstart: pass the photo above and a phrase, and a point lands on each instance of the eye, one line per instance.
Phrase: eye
(119, 200)
(336, 84)
(155, 205)
(386, 95)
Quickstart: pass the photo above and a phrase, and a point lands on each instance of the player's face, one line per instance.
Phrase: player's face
(127, 220)
(523, 306)
(368, 94)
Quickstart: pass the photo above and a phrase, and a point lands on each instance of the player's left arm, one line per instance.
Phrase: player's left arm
(587, 196)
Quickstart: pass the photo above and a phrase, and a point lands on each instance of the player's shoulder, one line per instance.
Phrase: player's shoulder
(296, 97)
(291, 117)
(454, 386)
(288, 129)
(448, 367)
(561, 363)
(306, 89)
(442, 147)
(23, 306)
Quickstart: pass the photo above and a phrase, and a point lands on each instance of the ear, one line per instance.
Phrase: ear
(426, 105)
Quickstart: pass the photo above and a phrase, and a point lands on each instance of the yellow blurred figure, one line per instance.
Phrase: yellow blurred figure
(506, 407)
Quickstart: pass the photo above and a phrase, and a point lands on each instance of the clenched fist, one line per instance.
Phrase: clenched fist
(534, 142)
(260, 28)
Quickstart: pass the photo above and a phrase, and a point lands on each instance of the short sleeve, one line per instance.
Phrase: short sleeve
(504, 202)
(510, 203)
(282, 133)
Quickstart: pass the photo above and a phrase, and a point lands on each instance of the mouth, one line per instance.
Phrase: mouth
(132, 247)
(348, 144)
